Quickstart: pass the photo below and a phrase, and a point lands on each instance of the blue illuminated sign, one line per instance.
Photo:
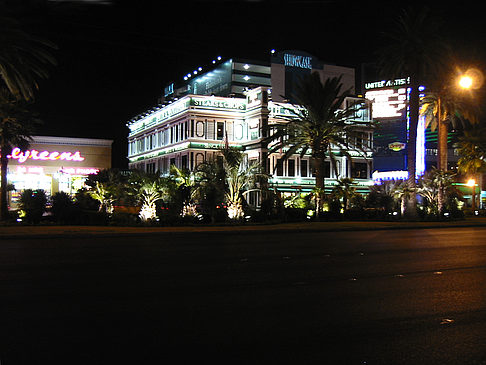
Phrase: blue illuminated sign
(291, 60)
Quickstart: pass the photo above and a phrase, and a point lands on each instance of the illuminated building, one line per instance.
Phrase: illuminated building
(191, 126)
(389, 99)
(57, 164)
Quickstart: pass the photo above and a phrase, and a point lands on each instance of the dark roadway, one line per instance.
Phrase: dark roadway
(377, 297)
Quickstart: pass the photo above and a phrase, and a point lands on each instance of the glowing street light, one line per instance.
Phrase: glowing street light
(466, 82)
(472, 184)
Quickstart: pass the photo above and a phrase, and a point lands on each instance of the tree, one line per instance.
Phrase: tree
(345, 190)
(148, 189)
(471, 147)
(101, 192)
(240, 175)
(32, 204)
(209, 188)
(319, 124)
(444, 108)
(24, 59)
(382, 195)
(17, 125)
(151, 191)
(404, 192)
(416, 49)
(62, 207)
(434, 186)
(107, 187)
(183, 184)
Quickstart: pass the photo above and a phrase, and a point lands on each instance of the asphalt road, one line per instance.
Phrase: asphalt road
(377, 297)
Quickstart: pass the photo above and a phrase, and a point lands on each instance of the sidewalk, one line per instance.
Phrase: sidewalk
(83, 231)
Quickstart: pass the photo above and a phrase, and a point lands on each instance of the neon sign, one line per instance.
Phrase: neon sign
(21, 157)
(30, 170)
(297, 61)
(397, 146)
(387, 83)
(80, 171)
(389, 175)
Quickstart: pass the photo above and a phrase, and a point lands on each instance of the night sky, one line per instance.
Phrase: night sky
(115, 58)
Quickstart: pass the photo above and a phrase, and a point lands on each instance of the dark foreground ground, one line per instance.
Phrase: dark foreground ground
(414, 296)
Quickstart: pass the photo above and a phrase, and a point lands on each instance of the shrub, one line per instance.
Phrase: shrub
(32, 204)
(63, 208)
(124, 219)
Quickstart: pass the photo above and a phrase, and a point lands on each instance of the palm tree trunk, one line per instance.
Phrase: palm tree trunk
(440, 199)
(441, 153)
(319, 184)
(3, 184)
(403, 206)
(441, 140)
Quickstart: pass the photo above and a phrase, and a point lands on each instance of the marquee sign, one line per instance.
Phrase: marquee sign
(387, 83)
(22, 156)
(388, 103)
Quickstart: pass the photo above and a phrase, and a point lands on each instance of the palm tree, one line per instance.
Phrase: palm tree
(417, 50)
(108, 187)
(404, 192)
(209, 187)
(151, 191)
(434, 185)
(183, 183)
(382, 195)
(240, 175)
(472, 152)
(17, 125)
(445, 108)
(319, 124)
(345, 190)
(148, 189)
(105, 197)
(24, 59)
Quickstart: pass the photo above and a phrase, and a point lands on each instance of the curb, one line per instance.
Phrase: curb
(86, 232)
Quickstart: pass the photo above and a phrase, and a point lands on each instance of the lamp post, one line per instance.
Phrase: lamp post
(472, 184)
(472, 79)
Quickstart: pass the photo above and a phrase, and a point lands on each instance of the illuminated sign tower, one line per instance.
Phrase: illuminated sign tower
(390, 100)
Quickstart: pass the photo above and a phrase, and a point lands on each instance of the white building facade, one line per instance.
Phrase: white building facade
(194, 128)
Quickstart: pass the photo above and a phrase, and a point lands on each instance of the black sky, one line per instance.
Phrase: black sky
(115, 57)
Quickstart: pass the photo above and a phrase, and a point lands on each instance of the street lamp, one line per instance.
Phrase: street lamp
(472, 184)
(469, 80)
(465, 82)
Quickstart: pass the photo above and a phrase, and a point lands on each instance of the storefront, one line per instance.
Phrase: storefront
(56, 164)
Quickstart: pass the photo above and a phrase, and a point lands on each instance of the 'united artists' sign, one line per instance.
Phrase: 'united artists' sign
(22, 156)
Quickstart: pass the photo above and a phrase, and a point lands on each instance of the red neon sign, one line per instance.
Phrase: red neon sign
(21, 157)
